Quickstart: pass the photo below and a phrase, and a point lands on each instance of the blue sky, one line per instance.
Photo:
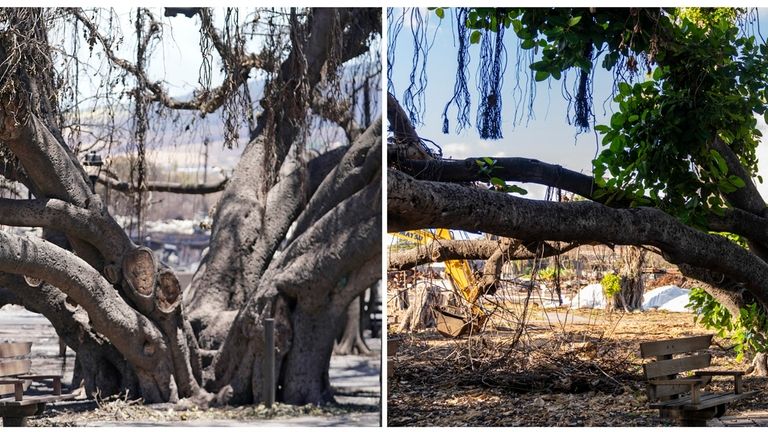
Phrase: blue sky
(547, 136)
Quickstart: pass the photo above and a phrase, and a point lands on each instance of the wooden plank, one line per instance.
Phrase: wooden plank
(14, 367)
(9, 402)
(707, 400)
(674, 366)
(717, 373)
(675, 346)
(660, 391)
(685, 400)
(15, 349)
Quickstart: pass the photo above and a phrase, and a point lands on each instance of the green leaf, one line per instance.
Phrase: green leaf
(440, 13)
(515, 189)
(489, 161)
(736, 181)
(541, 75)
(573, 21)
(602, 129)
(624, 88)
(721, 165)
(658, 73)
(527, 44)
(617, 120)
(498, 182)
(633, 118)
(474, 38)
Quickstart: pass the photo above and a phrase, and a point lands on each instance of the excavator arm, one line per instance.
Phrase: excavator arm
(450, 322)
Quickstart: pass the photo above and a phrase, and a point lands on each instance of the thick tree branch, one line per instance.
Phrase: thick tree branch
(356, 169)
(334, 244)
(131, 333)
(526, 170)
(444, 250)
(509, 169)
(159, 186)
(414, 204)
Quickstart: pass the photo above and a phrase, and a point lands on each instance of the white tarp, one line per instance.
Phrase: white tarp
(590, 297)
(670, 298)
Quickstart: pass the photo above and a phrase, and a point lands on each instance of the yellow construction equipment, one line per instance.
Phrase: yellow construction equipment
(451, 322)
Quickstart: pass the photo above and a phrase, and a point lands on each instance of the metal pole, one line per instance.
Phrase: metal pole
(269, 362)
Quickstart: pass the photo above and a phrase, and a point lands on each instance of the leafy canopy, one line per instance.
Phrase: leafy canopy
(704, 79)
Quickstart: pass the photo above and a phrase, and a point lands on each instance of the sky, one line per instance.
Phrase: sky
(547, 137)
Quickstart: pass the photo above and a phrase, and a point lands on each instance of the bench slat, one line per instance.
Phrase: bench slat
(28, 400)
(15, 349)
(14, 367)
(674, 366)
(660, 391)
(675, 346)
(708, 400)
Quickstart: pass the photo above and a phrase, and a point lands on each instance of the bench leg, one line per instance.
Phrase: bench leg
(17, 415)
(14, 421)
(689, 418)
(720, 410)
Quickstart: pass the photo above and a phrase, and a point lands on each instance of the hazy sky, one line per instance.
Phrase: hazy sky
(547, 137)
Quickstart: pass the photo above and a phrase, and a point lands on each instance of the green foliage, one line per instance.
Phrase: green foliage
(709, 312)
(739, 240)
(705, 79)
(747, 332)
(611, 284)
(487, 166)
(547, 274)
(660, 139)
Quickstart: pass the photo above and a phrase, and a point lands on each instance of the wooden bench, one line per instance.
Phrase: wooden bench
(682, 398)
(14, 381)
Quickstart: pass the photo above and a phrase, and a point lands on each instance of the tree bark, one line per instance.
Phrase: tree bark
(414, 204)
(630, 296)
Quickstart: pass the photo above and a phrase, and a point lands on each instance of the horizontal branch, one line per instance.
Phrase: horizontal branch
(444, 250)
(85, 224)
(159, 186)
(129, 331)
(518, 169)
(414, 204)
(527, 170)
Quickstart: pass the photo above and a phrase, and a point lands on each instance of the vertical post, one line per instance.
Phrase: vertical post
(269, 362)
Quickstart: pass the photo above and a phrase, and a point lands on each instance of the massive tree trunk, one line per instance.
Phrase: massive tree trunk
(294, 239)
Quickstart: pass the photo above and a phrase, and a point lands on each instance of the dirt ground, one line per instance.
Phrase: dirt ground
(568, 368)
(356, 380)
